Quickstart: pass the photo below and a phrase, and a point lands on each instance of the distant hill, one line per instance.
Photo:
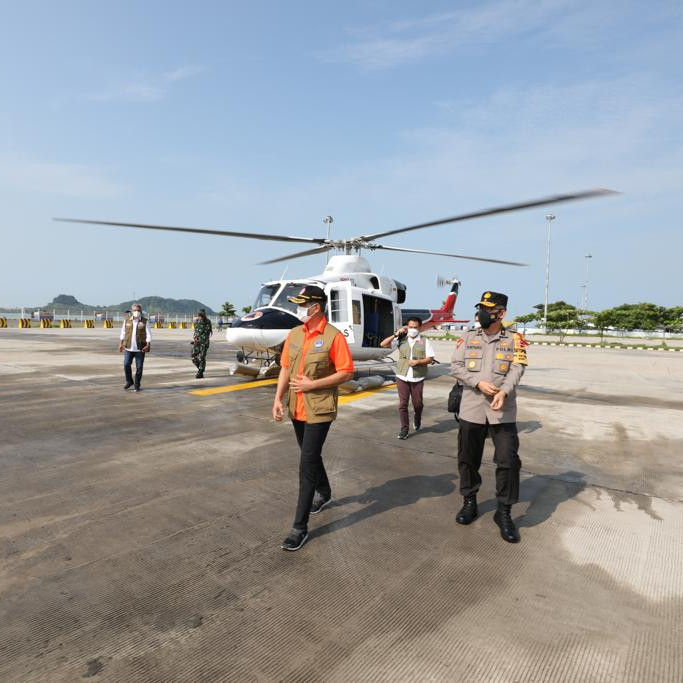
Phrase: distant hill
(158, 304)
(151, 304)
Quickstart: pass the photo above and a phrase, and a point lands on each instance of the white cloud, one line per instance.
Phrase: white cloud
(67, 180)
(146, 88)
(414, 39)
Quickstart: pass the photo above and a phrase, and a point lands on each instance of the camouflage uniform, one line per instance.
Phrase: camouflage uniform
(200, 344)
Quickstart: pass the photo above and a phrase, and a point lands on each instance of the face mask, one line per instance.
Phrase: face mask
(136, 314)
(302, 314)
(413, 332)
(486, 318)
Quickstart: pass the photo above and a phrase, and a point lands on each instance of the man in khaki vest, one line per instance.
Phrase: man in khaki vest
(315, 360)
(415, 353)
(489, 362)
(135, 342)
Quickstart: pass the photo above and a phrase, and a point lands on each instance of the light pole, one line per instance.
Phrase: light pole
(328, 220)
(588, 257)
(550, 218)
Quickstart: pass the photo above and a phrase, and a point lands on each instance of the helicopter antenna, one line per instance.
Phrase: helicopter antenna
(284, 272)
(328, 220)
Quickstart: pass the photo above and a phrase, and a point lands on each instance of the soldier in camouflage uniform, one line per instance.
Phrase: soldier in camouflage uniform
(200, 342)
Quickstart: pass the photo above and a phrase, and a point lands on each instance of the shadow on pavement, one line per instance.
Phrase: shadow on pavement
(392, 494)
(544, 494)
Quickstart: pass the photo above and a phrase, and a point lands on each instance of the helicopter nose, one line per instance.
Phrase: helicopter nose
(267, 319)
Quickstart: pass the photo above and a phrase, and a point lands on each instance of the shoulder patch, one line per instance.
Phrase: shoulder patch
(460, 342)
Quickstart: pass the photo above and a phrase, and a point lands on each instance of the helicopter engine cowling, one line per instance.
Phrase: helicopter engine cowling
(264, 329)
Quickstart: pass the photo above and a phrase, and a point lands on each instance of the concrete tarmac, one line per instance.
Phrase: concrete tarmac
(140, 533)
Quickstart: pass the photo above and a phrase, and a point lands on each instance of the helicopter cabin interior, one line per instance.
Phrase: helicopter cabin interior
(374, 314)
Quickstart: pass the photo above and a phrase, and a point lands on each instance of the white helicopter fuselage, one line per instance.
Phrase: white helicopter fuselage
(363, 305)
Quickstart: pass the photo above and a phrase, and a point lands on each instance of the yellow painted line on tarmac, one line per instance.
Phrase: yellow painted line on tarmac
(212, 391)
(348, 398)
(344, 398)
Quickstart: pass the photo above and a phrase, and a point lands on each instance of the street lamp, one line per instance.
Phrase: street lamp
(550, 218)
(585, 286)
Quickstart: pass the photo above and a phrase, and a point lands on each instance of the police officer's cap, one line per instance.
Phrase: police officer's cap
(492, 299)
(310, 295)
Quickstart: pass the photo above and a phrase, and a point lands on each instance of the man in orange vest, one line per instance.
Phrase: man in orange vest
(315, 360)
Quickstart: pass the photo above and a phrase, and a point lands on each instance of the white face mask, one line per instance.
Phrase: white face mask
(302, 314)
(413, 332)
(136, 314)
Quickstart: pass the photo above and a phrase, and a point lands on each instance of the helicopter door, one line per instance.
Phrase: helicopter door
(339, 309)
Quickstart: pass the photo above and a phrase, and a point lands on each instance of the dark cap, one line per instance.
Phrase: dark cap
(310, 294)
(202, 311)
(491, 299)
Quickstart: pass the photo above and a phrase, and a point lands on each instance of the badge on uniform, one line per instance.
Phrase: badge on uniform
(318, 344)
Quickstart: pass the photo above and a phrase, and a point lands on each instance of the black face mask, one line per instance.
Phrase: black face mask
(486, 318)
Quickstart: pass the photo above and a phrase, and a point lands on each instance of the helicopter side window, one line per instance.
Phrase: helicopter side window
(265, 296)
(338, 308)
(355, 308)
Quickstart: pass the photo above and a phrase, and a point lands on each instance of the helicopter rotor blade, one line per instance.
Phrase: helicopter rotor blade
(298, 254)
(545, 201)
(439, 253)
(204, 231)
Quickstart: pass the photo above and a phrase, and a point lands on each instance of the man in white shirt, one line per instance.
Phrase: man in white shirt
(135, 342)
(415, 353)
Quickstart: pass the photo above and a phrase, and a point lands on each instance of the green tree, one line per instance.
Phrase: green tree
(561, 318)
(526, 319)
(673, 319)
(228, 310)
(603, 320)
(246, 309)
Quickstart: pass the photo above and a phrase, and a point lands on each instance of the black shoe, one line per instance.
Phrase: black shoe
(137, 388)
(417, 425)
(503, 518)
(199, 375)
(319, 502)
(403, 434)
(127, 385)
(295, 540)
(468, 511)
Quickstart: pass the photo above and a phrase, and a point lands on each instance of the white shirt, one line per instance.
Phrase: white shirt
(429, 353)
(134, 336)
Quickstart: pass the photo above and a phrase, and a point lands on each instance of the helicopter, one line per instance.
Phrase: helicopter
(365, 306)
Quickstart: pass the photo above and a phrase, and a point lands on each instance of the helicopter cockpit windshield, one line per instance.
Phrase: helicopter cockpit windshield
(291, 289)
(265, 296)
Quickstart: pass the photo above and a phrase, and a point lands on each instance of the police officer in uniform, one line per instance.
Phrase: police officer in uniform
(489, 362)
(315, 360)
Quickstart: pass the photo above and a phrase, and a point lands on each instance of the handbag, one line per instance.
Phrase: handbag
(454, 398)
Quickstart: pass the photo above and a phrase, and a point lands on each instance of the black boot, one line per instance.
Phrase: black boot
(199, 375)
(503, 518)
(468, 512)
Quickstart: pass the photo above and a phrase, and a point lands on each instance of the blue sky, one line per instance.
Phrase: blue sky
(267, 116)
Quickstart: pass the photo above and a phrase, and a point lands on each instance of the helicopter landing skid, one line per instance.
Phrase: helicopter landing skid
(257, 365)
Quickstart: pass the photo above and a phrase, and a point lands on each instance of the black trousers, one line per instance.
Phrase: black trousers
(471, 439)
(128, 362)
(312, 475)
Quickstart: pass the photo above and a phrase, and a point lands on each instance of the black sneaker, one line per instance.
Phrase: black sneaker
(295, 540)
(127, 385)
(403, 434)
(138, 389)
(319, 503)
(417, 425)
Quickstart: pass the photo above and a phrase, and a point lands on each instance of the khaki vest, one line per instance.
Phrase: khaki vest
(140, 333)
(419, 353)
(320, 404)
